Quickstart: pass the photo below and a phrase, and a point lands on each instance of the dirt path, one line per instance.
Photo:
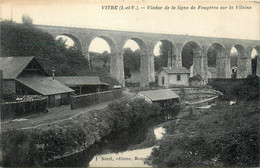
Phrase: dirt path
(54, 114)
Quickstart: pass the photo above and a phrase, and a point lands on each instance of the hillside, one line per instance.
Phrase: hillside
(26, 40)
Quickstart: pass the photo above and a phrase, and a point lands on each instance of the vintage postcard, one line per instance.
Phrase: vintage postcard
(143, 83)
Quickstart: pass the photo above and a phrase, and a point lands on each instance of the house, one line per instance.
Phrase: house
(212, 72)
(25, 76)
(83, 84)
(173, 76)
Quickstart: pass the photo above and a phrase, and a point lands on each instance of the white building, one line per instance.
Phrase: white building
(173, 76)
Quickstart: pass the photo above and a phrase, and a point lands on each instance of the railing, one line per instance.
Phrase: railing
(94, 98)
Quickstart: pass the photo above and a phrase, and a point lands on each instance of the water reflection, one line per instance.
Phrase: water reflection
(159, 132)
(127, 148)
(129, 158)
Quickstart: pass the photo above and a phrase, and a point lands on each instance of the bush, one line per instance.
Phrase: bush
(229, 136)
(36, 146)
(241, 89)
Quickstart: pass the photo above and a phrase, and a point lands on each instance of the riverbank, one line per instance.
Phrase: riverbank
(223, 135)
(119, 144)
(39, 145)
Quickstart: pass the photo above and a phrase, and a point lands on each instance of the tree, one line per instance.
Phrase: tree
(162, 60)
(212, 57)
(254, 65)
(23, 40)
(132, 60)
(27, 20)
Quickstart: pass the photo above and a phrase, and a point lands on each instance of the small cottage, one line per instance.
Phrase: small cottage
(25, 76)
(173, 76)
(83, 84)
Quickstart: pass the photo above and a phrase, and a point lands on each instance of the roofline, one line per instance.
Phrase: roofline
(44, 94)
(33, 58)
(72, 85)
(164, 99)
(173, 72)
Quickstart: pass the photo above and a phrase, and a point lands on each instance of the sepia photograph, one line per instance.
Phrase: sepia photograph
(129, 83)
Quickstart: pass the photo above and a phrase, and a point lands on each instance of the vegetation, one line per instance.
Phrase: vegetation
(132, 61)
(221, 136)
(254, 65)
(27, 40)
(197, 77)
(240, 89)
(162, 60)
(228, 136)
(39, 145)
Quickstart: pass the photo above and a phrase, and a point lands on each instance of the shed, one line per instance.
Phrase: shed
(162, 96)
(165, 97)
(83, 84)
(58, 94)
(24, 75)
(173, 76)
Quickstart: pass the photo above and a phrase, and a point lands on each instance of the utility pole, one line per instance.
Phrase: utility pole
(171, 55)
(12, 13)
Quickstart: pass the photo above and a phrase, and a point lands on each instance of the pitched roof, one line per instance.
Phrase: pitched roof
(80, 80)
(175, 70)
(13, 66)
(44, 85)
(163, 94)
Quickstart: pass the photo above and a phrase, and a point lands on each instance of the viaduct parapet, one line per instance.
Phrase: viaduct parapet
(147, 41)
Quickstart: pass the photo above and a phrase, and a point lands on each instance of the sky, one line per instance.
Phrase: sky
(235, 23)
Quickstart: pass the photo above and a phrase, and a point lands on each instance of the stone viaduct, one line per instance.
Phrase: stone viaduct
(82, 38)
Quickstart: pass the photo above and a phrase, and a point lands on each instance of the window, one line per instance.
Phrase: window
(162, 80)
(178, 77)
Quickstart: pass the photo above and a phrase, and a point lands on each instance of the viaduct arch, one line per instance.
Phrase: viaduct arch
(146, 41)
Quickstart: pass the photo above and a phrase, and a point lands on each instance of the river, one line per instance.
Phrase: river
(127, 148)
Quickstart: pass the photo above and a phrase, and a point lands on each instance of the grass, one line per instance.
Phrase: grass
(220, 136)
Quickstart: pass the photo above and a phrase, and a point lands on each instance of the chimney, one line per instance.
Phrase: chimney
(53, 74)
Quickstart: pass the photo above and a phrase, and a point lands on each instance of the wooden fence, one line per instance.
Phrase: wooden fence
(12, 110)
(94, 98)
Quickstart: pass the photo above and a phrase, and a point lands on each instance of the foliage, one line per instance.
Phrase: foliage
(27, 20)
(212, 56)
(99, 59)
(172, 109)
(187, 56)
(195, 78)
(27, 40)
(36, 146)
(132, 60)
(249, 90)
(241, 89)
(254, 65)
(228, 136)
(162, 60)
